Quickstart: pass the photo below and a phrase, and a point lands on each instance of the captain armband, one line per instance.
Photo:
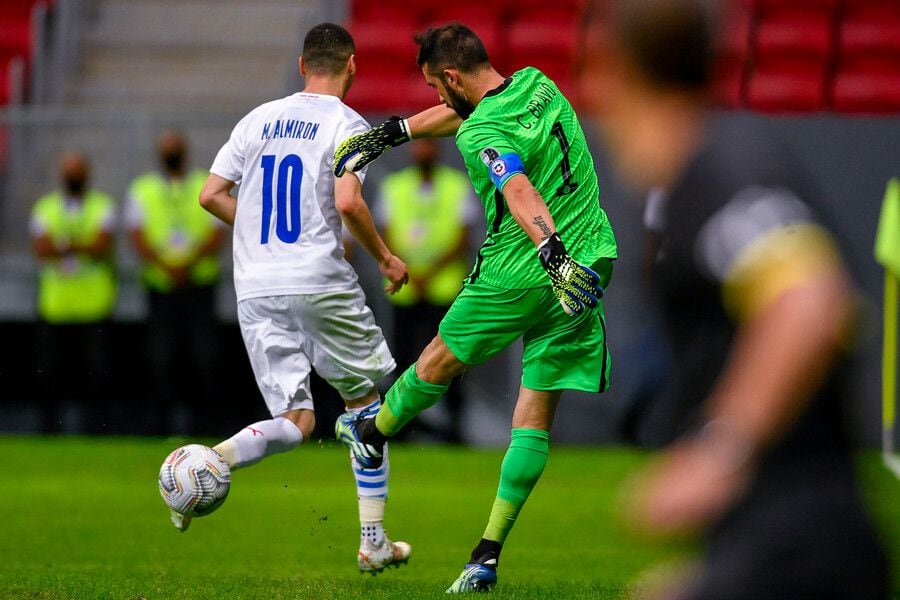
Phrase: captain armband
(501, 167)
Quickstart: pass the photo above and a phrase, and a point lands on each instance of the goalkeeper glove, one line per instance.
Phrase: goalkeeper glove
(577, 287)
(356, 152)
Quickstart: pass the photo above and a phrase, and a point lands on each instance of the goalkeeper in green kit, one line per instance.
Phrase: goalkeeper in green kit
(539, 275)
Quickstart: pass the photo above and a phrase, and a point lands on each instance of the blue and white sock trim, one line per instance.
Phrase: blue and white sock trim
(371, 483)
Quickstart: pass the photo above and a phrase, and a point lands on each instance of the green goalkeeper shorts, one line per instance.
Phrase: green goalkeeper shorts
(561, 352)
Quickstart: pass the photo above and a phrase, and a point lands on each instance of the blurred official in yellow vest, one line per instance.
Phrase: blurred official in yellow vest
(178, 243)
(426, 212)
(72, 237)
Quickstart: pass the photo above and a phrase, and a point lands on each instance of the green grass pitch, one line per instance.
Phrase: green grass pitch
(82, 518)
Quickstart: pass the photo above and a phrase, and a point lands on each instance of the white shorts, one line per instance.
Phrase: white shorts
(333, 333)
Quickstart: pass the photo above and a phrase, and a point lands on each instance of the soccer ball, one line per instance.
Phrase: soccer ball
(194, 480)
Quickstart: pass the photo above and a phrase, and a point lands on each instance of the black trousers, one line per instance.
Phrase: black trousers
(74, 364)
(182, 353)
(414, 328)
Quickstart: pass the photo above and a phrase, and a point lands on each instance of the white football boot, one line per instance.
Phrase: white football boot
(373, 559)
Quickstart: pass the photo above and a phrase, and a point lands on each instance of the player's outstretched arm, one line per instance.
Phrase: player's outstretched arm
(357, 151)
(356, 216)
(216, 198)
(576, 286)
(437, 121)
(796, 310)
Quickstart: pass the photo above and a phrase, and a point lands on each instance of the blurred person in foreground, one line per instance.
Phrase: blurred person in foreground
(426, 212)
(759, 308)
(178, 243)
(72, 236)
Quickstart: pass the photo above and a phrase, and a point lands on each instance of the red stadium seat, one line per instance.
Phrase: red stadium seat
(552, 14)
(560, 38)
(384, 39)
(787, 92)
(571, 6)
(5, 86)
(15, 26)
(796, 27)
(385, 95)
(382, 11)
(728, 82)
(559, 70)
(735, 38)
(9, 60)
(418, 95)
(869, 93)
(377, 93)
(380, 78)
(809, 37)
(767, 7)
(878, 9)
(465, 11)
(868, 76)
(869, 37)
(733, 52)
(15, 38)
(793, 55)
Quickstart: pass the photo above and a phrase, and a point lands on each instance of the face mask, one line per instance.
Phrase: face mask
(173, 161)
(426, 165)
(74, 186)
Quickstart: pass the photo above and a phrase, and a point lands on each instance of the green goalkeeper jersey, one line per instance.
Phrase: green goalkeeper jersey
(528, 116)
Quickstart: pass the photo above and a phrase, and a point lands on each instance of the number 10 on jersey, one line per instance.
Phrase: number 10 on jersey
(287, 197)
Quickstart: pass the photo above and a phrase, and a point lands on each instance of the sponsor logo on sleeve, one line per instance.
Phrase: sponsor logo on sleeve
(489, 155)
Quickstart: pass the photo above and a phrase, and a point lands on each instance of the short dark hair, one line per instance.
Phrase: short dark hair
(669, 41)
(326, 49)
(451, 46)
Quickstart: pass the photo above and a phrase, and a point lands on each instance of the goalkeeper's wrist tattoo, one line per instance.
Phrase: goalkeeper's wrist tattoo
(542, 224)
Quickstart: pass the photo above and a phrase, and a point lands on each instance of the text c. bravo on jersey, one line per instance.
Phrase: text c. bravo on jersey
(543, 96)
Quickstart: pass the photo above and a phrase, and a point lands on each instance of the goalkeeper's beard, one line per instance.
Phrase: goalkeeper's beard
(459, 103)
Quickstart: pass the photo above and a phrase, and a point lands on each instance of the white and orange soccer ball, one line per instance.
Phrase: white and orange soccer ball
(194, 480)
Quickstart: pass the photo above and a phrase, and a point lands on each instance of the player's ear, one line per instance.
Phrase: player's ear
(451, 78)
(351, 65)
(302, 66)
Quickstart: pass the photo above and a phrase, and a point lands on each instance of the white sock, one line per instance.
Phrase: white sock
(371, 490)
(371, 519)
(255, 442)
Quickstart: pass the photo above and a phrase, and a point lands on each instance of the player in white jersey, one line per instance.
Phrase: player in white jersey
(299, 303)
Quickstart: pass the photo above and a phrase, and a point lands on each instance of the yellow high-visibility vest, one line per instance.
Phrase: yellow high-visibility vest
(80, 288)
(423, 227)
(175, 225)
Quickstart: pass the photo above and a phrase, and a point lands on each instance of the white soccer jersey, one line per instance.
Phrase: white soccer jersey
(287, 231)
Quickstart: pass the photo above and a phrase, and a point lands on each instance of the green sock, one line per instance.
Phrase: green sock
(522, 467)
(407, 398)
